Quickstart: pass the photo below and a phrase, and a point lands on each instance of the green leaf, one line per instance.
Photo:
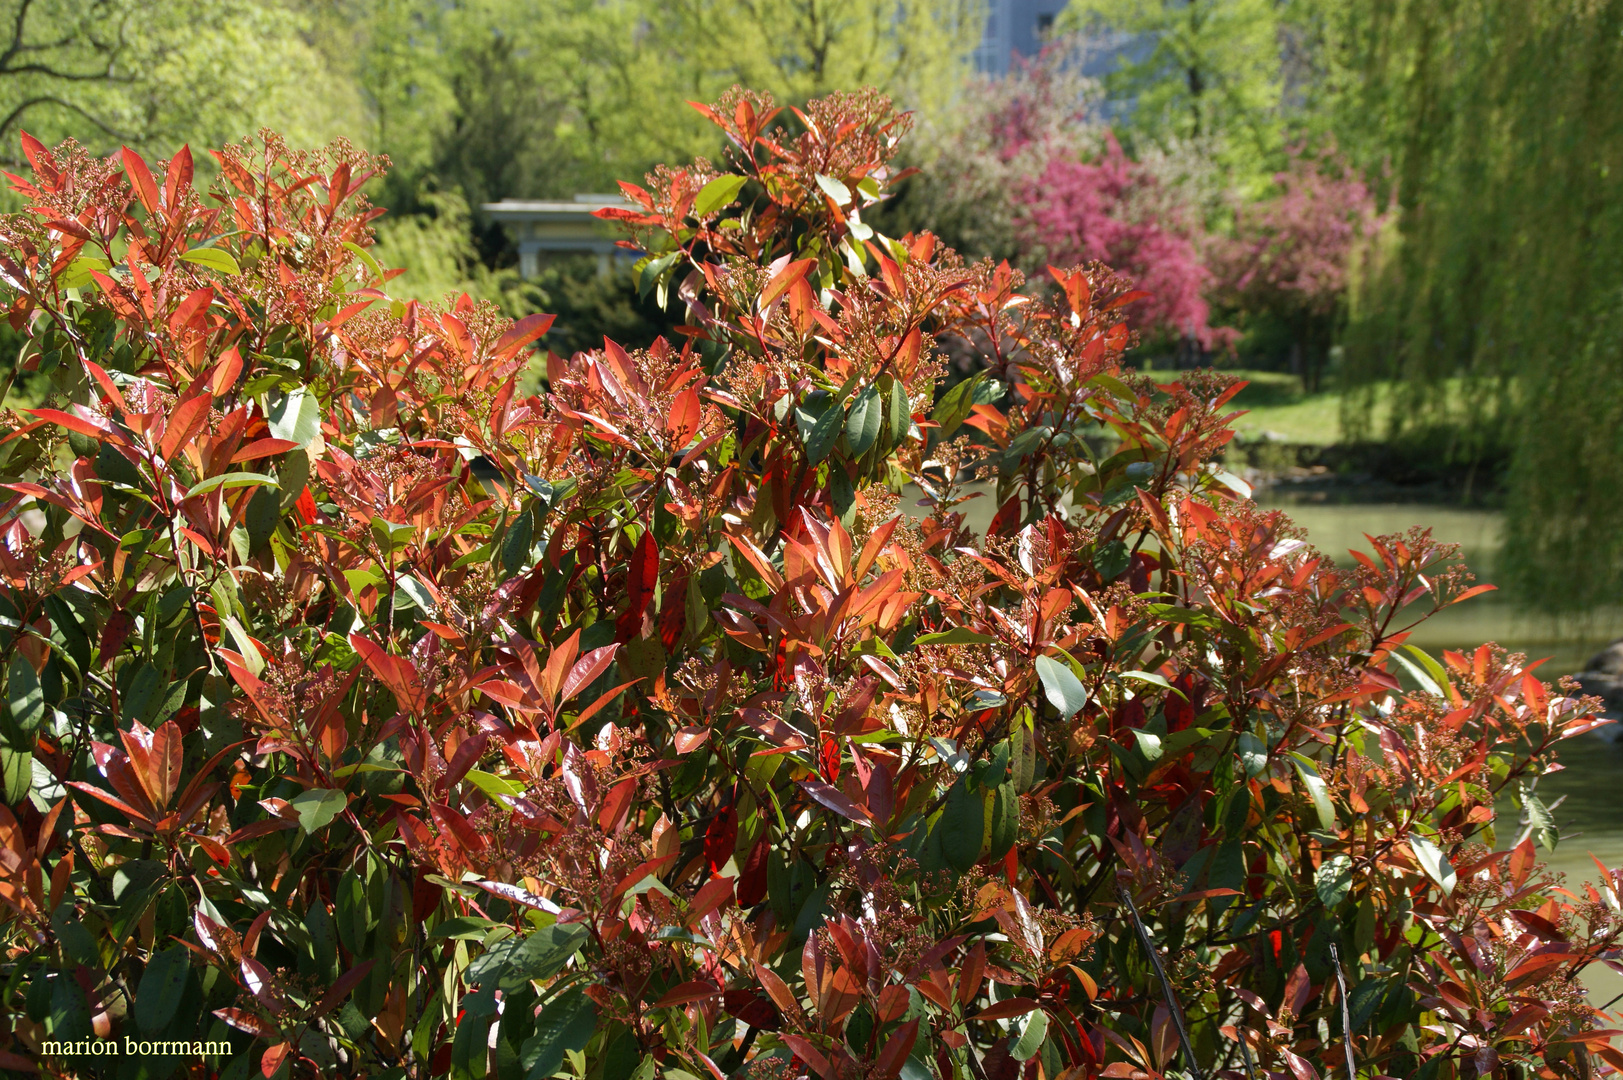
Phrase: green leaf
(352, 915)
(956, 405)
(1232, 482)
(1439, 675)
(297, 417)
(366, 258)
(493, 785)
(1253, 753)
(564, 1025)
(819, 429)
(1005, 820)
(1421, 677)
(161, 986)
(463, 928)
(516, 544)
(392, 536)
(537, 955)
(16, 774)
(229, 480)
(1333, 880)
(213, 258)
(1316, 790)
(1149, 677)
(1539, 819)
(264, 514)
(862, 422)
(26, 701)
(1023, 752)
(718, 193)
(1149, 744)
(958, 635)
(1433, 862)
(417, 593)
(1063, 689)
(962, 826)
(1032, 1033)
(834, 190)
(251, 657)
(651, 273)
(901, 413)
(317, 807)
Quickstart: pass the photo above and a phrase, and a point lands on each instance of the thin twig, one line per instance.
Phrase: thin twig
(1346, 1014)
(1166, 984)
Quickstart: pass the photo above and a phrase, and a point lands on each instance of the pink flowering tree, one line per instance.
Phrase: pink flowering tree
(1030, 174)
(1290, 254)
(1111, 210)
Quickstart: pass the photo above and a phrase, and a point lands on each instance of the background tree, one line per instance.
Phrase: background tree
(157, 75)
(1290, 256)
(1195, 69)
(1496, 304)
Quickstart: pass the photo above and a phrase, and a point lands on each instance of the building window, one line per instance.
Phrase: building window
(1045, 24)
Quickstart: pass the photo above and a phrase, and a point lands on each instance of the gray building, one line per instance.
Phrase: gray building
(1015, 28)
(1018, 29)
(542, 227)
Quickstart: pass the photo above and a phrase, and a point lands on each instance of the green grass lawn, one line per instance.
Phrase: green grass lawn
(1279, 409)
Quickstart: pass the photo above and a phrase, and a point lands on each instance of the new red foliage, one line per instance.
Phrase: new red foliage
(364, 715)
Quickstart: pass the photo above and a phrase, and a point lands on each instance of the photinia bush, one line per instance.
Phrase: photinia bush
(362, 714)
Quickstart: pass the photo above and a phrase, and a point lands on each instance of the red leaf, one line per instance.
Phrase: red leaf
(178, 177)
(271, 1060)
(784, 278)
(522, 333)
(752, 882)
(140, 178)
(156, 757)
(719, 839)
(698, 990)
(1006, 518)
(262, 448)
(348, 981)
(1002, 1010)
(683, 421)
(246, 1021)
(98, 429)
(715, 894)
(808, 1053)
(397, 672)
(900, 1044)
(835, 799)
(753, 1009)
(641, 577)
(586, 670)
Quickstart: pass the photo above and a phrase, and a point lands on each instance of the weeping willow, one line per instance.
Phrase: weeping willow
(1496, 300)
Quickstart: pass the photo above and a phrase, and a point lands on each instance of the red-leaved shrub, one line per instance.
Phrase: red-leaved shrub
(365, 717)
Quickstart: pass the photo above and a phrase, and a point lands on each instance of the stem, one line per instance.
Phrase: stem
(1166, 984)
(1245, 1056)
(1346, 1013)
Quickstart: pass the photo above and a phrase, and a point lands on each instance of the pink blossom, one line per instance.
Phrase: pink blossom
(1108, 209)
(1290, 253)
